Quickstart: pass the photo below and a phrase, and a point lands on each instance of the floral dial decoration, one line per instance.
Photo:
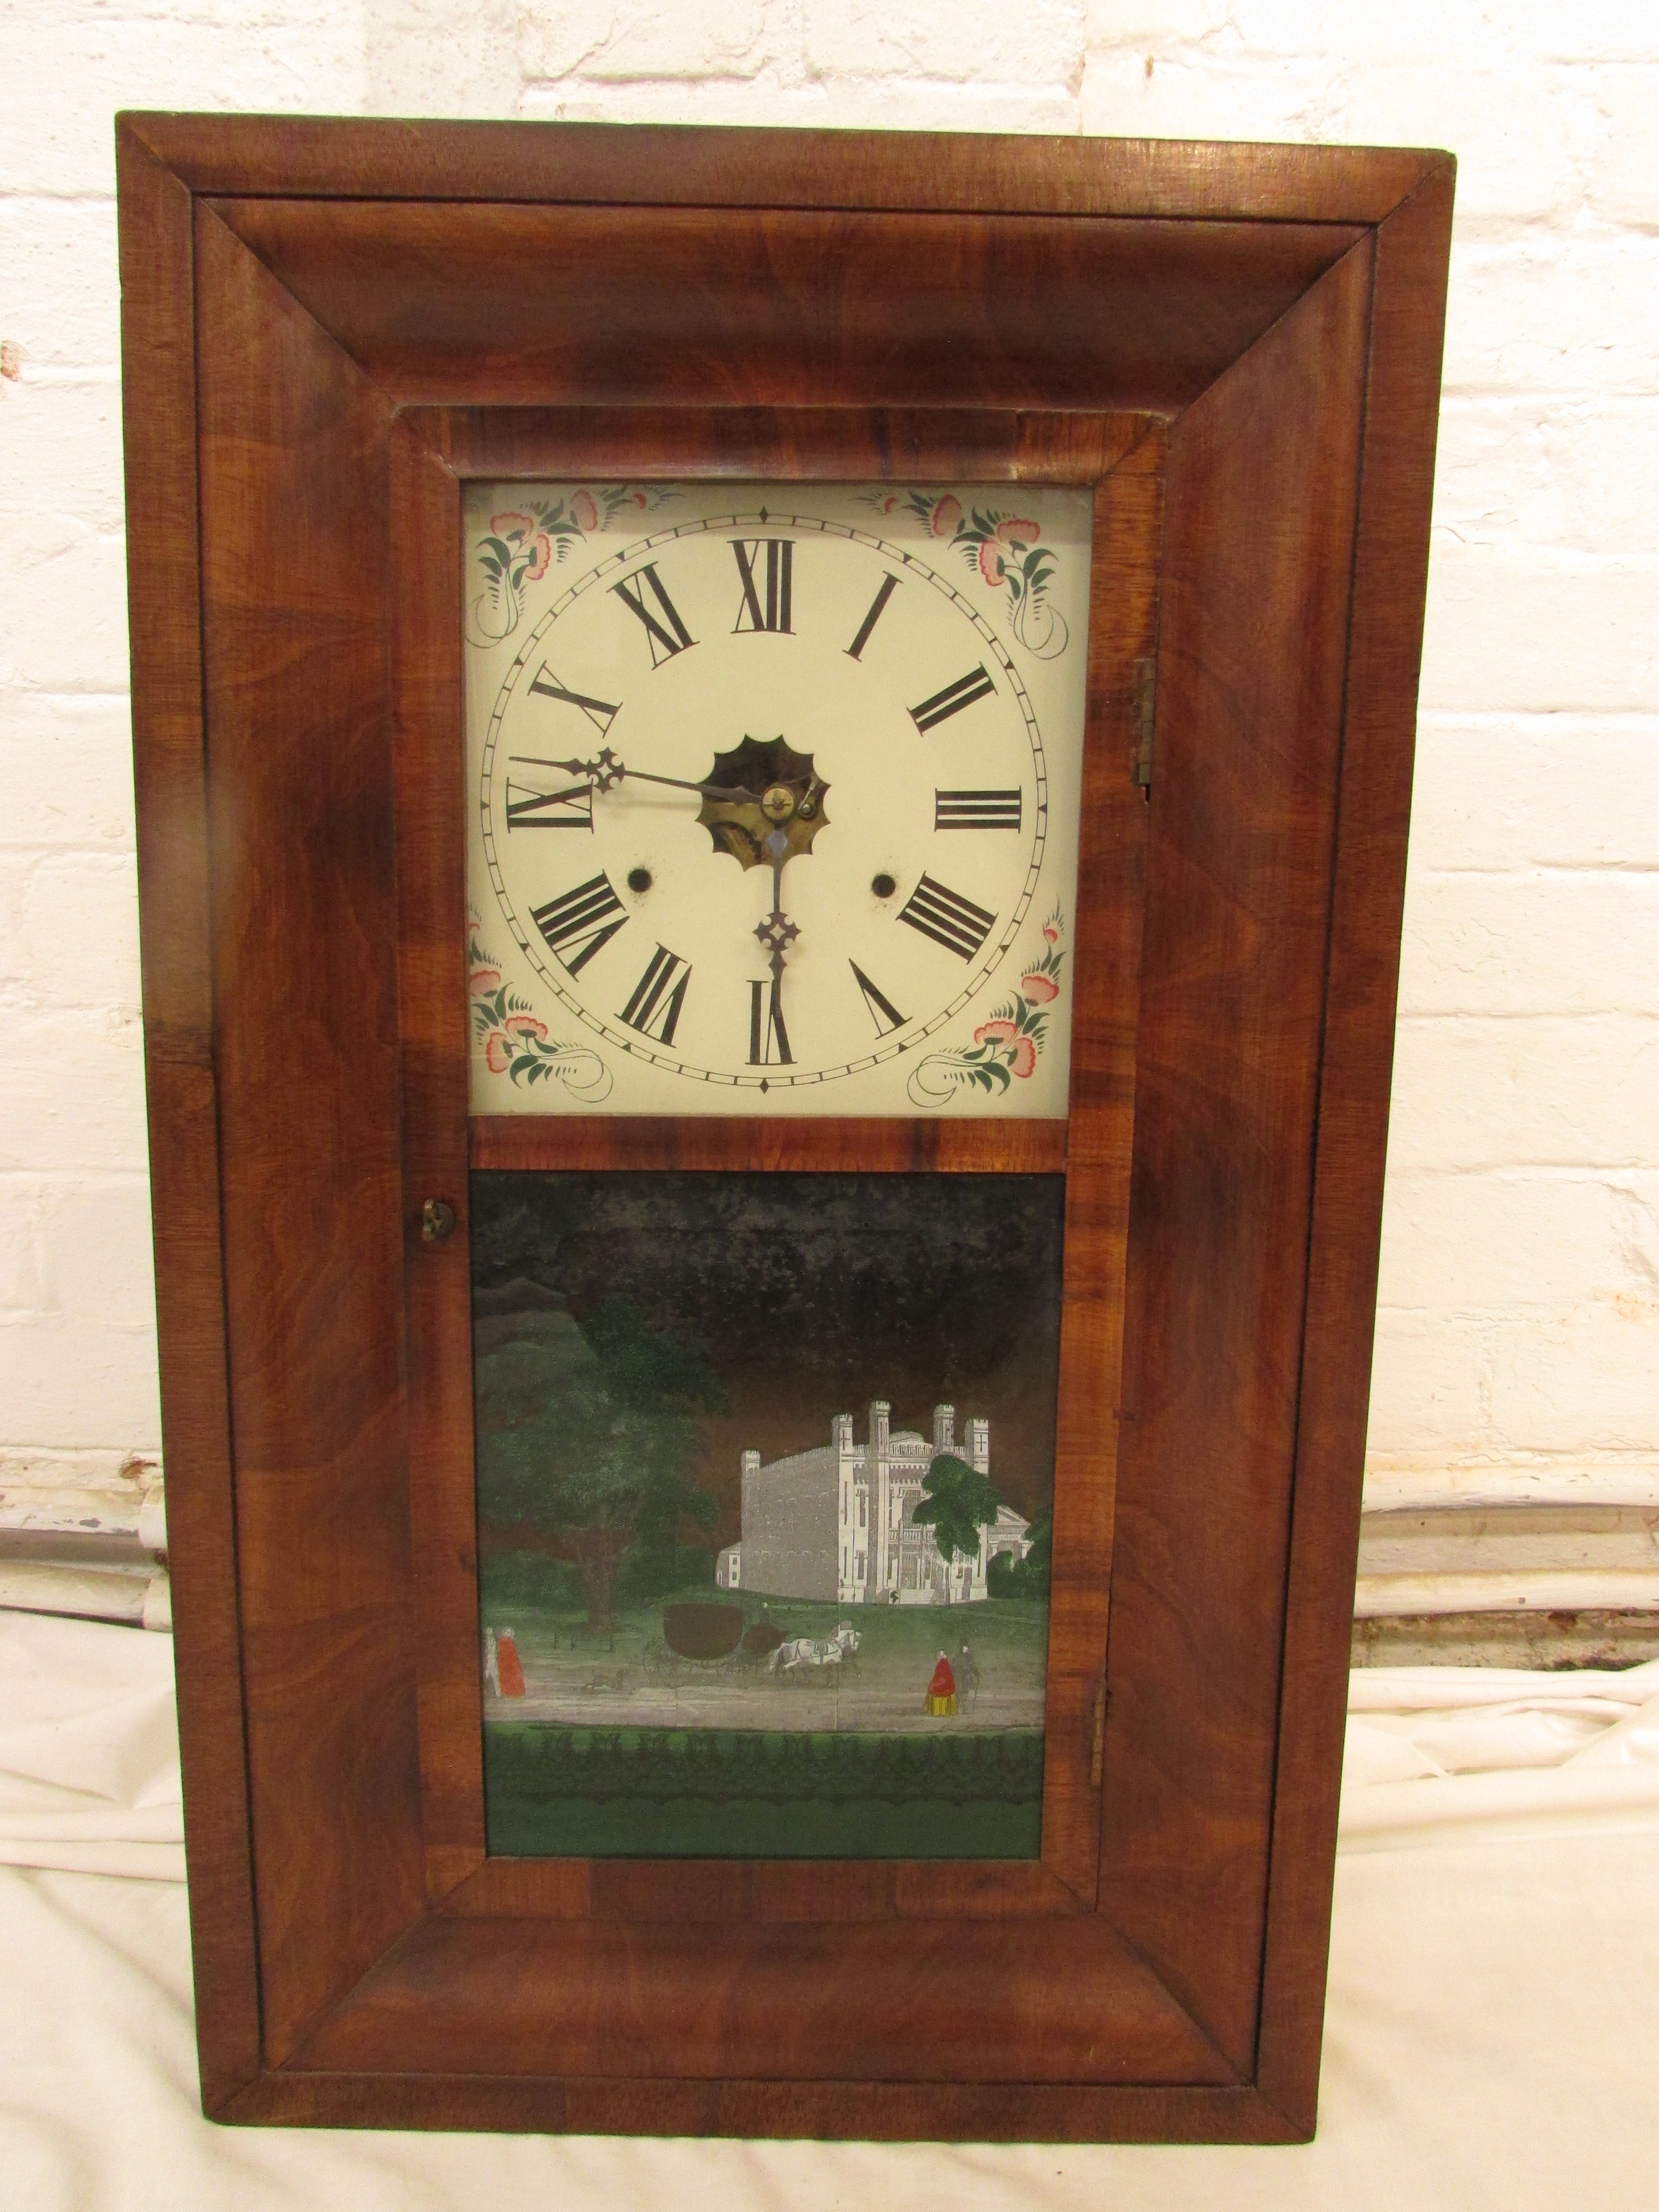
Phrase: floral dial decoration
(1006, 1048)
(514, 1043)
(1003, 552)
(522, 542)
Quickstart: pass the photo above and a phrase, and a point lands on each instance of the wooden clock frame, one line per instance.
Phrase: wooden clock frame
(326, 327)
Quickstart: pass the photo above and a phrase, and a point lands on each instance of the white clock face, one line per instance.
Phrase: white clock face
(774, 792)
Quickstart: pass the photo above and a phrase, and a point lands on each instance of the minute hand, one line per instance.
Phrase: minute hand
(679, 783)
(613, 771)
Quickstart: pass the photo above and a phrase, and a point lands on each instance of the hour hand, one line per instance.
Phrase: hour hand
(776, 934)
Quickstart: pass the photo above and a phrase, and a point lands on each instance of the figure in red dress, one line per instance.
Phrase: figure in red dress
(941, 1698)
(506, 1659)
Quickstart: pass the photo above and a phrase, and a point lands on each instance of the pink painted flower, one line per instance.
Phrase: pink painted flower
(1039, 987)
(541, 554)
(1051, 933)
(484, 981)
(992, 561)
(1022, 1050)
(639, 499)
(889, 503)
(497, 1053)
(946, 514)
(1015, 532)
(509, 523)
(583, 511)
(525, 1026)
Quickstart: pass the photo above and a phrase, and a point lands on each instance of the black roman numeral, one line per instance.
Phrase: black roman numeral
(664, 643)
(779, 565)
(766, 1027)
(569, 809)
(976, 809)
(598, 711)
(580, 919)
(949, 919)
(878, 1004)
(659, 995)
(976, 685)
(889, 585)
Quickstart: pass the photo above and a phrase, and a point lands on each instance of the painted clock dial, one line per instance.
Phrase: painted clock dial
(774, 792)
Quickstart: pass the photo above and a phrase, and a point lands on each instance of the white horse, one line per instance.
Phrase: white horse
(815, 1651)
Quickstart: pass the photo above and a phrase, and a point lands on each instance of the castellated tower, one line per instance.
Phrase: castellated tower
(848, 1464)
(979, 1446)
(751, 1485)
(945, 1428)
(881, 1507)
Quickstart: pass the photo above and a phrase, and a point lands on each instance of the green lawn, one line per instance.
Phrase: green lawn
(728, 1793)
(910, 1787)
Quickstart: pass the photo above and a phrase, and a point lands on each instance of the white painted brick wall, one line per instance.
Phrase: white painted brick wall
(1518, 1342)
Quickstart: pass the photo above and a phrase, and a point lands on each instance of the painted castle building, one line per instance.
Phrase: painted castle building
(836, 1523)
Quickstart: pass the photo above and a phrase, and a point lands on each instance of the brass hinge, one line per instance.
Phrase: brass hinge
(1146, 707)
(1097, 1754)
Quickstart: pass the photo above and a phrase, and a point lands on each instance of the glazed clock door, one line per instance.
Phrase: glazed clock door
(773, 798)
(773, 793)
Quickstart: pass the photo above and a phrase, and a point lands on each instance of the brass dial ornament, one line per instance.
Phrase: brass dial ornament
(775, 809)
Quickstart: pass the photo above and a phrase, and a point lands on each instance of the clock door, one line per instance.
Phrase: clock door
(774, 795)
(795, 870)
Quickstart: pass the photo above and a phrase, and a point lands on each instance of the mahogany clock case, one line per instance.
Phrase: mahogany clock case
(327, 328)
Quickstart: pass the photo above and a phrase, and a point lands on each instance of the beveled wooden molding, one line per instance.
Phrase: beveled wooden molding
(887, 2111)
(836, 308)
(158, 344)
(324, 326)
(1385, 643)
(302, 157)
(1038, 447)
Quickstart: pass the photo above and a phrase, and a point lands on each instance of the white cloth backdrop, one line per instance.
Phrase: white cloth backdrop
(1492, 2035)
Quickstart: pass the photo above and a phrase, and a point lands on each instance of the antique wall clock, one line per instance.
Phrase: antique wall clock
(773, 775)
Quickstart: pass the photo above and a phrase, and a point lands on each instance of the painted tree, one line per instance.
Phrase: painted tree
(1008, 1577)
(956, 1502)
(586, 1437)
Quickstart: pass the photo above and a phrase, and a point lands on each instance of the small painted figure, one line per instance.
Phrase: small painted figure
(506, 1659)
(492, 1668)
(967, 1678)
(941, 1698)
